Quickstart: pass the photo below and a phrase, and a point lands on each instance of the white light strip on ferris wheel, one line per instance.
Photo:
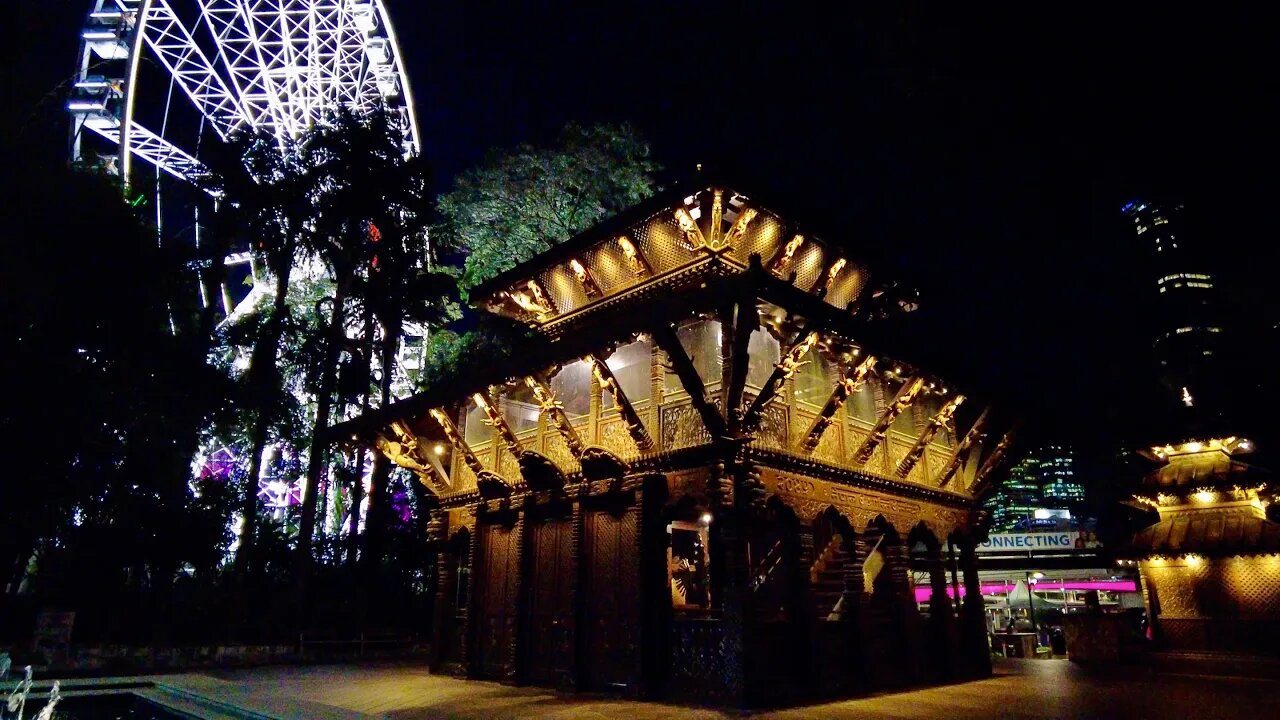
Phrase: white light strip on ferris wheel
(402, 73)
(157, 151)
(187, 63)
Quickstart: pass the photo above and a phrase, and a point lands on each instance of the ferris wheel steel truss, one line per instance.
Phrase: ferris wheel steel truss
(276, 65)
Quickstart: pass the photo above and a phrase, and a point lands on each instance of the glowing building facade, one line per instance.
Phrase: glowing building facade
(1188, 331)
(1041, 490)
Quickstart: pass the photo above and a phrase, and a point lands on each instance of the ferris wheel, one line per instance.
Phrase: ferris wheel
(155, 76)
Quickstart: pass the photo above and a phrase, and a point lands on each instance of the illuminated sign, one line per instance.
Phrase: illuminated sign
(1038, 542)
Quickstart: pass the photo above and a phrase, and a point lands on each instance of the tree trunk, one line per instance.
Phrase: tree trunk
(318, 460)
(375, 523)
(262, 366)
(357, 496)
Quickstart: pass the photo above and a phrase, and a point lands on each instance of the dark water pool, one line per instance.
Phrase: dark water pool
(122, 706)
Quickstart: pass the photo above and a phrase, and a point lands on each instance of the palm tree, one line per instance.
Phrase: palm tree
(264, 184)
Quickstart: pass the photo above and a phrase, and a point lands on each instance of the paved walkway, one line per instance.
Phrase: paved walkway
(1020, 689)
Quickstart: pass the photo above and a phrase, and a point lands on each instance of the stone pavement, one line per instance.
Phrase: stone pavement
(1030, 689)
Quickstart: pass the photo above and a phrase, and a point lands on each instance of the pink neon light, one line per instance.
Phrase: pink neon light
(923, 591)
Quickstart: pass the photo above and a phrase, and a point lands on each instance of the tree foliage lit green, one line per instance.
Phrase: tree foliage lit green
(522, 201)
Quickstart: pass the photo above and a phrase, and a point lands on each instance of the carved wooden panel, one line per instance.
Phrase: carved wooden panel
(557, 450)
(612, 642)
(775, 425)
(1228, 587)
(552, 570)
(682, 427)
(496, 601)
(615, 436)
(830, 447)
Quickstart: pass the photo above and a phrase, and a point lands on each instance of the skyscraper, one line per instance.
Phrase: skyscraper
(1042, 489)
(1187, 330)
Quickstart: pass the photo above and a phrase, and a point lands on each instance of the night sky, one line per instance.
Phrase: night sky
(983, 156)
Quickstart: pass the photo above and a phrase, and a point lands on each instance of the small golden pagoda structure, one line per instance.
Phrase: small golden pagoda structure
(1210, 567)
(707, 477)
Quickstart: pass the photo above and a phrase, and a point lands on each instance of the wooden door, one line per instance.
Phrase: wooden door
(612, 633)
(549, 632)
(496, 601)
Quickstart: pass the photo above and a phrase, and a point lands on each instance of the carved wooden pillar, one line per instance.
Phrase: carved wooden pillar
(438, 533)
(657, 388)
(521, 590)
(897, 562)
(854, 611)
(468, 612)
(973, 617)
(940, 617)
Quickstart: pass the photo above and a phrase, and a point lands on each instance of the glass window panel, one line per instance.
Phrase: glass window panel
(631, 365)
(701, 341)
(478, 429)
(862, 404)
(815, 379)
(520, 409)
(764, 353)
(572, 388)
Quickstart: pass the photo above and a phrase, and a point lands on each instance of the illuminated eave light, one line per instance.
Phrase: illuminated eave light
(99, 35)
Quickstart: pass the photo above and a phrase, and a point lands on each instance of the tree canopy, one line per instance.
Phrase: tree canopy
(522, 201)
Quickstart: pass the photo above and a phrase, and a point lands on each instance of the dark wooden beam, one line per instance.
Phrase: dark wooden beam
(854, 378)
(786, 367)
(629, 415)
(936, 423)
(455, 439)
(972, 439)
(745, 320)
(993, 460)
(682, 365)
(554, 410)
(498, 422)
(906, 395)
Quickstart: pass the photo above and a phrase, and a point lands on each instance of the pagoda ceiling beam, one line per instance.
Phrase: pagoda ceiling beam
(781, 261)
(455, 440)
(689, 226)
(683, 366)
(936, 424)
(855, 377)
(985, 476)
(498, 422)
(972, 439)
(906, 396)
(406, 451)
(744, 321)
(783, 371)
(717, 216)
(610, 384)
(555, 411)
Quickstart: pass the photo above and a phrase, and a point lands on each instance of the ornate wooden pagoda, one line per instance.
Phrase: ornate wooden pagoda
(1210, 567)
(705, 479)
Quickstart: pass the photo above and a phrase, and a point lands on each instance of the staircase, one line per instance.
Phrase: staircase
(826, 577)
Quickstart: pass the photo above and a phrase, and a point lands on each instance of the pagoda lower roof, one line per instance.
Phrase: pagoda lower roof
(1207, 533)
